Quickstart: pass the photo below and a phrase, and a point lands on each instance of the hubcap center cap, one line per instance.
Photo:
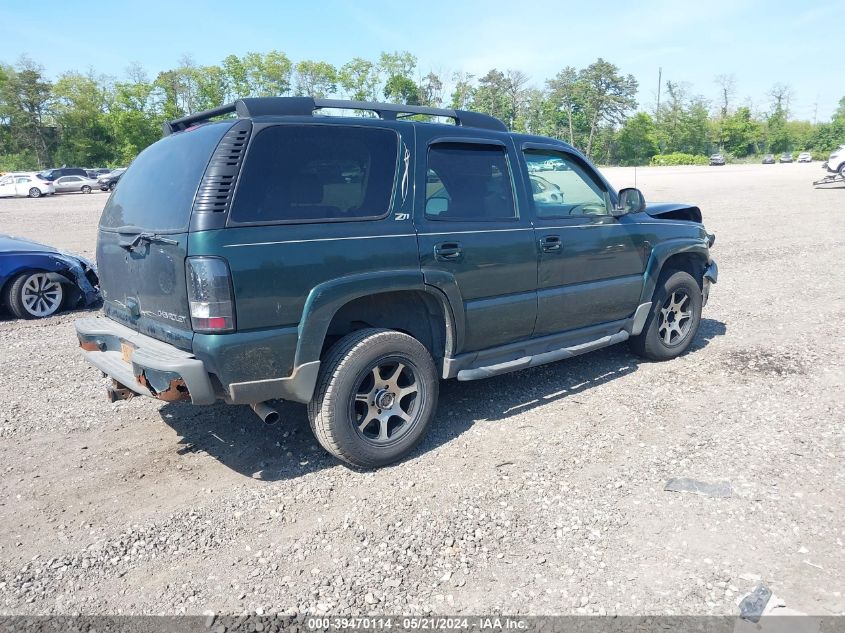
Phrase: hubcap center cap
(385, 399)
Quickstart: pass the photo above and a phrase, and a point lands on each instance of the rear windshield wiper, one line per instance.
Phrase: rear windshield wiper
(132, 241)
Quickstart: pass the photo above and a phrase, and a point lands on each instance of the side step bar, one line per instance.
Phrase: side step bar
(541, 359)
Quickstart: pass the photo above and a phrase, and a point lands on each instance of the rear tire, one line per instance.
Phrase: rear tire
(86, 189)
(33, 296)
(35, 192)
(673, 321)
(375, 398)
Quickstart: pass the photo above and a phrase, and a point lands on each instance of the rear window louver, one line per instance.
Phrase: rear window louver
(218, 184)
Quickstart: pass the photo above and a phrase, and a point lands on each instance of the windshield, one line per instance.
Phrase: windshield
(157, 191)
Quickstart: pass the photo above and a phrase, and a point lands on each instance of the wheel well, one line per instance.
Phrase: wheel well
(415, 313)
(690, 263)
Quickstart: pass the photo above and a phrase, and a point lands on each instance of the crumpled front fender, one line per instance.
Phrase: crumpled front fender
(76, 273)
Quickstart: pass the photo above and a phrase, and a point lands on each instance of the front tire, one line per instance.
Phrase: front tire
(34, 296)
(35, 192)
(376, 396)
(673, 321)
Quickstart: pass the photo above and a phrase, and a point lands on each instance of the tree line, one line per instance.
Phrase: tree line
(90, 120)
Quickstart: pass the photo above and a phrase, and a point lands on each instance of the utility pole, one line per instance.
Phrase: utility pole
(659, 82)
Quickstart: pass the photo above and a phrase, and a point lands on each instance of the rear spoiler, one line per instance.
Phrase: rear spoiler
(305, 106)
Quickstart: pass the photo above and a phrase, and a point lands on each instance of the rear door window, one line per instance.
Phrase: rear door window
(313, 173)
(468, 182)
(157, 191)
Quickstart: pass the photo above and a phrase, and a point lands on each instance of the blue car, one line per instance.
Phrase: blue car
(36, 281)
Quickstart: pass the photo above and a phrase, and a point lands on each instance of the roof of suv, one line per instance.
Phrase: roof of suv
(253, 107)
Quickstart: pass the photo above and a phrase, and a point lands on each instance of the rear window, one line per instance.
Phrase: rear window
(302, 173)
(157, 191)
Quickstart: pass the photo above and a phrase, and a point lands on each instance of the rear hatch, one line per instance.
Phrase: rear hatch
(143, 235)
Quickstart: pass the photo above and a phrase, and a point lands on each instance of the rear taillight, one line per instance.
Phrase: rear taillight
(210, 294)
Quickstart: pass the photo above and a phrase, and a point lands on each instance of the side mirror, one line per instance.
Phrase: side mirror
(630, 201)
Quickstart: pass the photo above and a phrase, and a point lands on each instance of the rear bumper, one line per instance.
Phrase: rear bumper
(143, 364)
(160, 370)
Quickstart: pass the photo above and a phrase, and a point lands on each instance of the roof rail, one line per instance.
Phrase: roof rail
(305, 106)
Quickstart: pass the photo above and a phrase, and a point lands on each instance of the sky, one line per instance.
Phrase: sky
(761, 43)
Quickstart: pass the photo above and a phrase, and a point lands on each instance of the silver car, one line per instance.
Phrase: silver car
(66, 184)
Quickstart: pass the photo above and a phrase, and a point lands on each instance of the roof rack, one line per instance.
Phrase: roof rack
(305, 106)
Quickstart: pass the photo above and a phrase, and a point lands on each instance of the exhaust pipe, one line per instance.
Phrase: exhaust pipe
(267, 413)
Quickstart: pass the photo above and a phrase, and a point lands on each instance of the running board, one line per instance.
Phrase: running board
(541, 359)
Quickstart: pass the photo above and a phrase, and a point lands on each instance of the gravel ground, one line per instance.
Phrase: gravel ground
(539, 492)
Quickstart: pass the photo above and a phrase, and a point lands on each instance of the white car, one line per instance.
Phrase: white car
(805, 157)
(836, 161)
(18, 184)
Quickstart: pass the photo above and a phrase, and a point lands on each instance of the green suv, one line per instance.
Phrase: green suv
(351, 262)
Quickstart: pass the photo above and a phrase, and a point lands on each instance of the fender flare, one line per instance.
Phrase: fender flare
(663, 252)
(447, 287)
(327, 298)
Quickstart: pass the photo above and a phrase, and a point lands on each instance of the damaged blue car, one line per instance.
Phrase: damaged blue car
(36, 280)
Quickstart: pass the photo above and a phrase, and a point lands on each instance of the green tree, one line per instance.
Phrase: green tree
(740, 133)
(399, 89)
(315, 79)
(492, 97)
(636, 142)
(777, 133)
(464, 91)
(80, 103)
(566, 92)
(683, 122)
(268, 75)
(134, 116)
(25, 105)
(430, 90)
(607, 97)
(397, 64)
(236, 78)
(359, 79)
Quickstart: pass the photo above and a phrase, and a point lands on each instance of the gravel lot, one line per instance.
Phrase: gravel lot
(539, 492)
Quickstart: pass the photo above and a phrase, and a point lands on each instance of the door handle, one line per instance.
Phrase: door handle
(613, 248)
(448, 251)
(550, 244)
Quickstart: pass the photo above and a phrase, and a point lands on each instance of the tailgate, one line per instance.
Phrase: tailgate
(144, 285)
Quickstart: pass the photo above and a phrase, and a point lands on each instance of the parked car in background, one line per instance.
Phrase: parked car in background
(97, 171)
(836, 161)
(805, 157)
(107, 182)
(769, 159)
(23, 185)
(36, 281)
(52, 174)
(545, 191)
(786, 157)
(68, 184)
(717, 159)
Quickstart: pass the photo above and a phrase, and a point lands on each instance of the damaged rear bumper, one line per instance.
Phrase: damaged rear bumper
(143, 364)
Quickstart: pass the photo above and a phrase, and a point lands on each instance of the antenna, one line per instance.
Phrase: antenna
(635, 176)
